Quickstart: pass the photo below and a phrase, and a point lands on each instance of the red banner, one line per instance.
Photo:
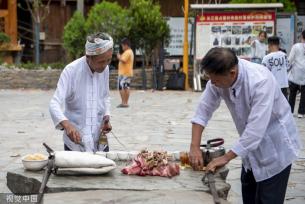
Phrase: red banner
(236, 16)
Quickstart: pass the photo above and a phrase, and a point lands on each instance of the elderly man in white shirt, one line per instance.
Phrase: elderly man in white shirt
(269, 140)
(296, 75)
(81, 104)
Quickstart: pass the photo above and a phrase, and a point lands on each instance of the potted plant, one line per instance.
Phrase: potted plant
(4, 40)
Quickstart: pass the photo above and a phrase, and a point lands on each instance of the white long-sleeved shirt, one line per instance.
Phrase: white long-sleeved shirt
(278, 64)
(259, 49)
(82, 97)
(268, 141)
(297, 61)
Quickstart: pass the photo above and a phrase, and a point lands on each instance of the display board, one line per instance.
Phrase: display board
(235, 30)
(176, 25)
(285, 31)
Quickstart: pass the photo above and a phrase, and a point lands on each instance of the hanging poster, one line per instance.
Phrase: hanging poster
(285, 31)
(176, 25)
(235, 30)
(300, 27)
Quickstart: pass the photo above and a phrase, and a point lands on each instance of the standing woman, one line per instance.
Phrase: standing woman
(296, 75)
(259, 48)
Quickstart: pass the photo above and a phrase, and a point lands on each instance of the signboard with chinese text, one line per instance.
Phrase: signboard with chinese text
(176, 25)
(235, 30)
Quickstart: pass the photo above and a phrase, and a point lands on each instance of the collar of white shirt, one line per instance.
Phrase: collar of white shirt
(235, 88)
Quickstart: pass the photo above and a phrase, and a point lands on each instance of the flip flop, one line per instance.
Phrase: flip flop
(122, 106)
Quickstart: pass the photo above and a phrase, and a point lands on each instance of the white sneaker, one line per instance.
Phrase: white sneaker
(300, 115)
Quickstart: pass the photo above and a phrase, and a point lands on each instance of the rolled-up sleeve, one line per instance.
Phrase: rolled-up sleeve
(58, 99)
(260, 113)
(209, 102)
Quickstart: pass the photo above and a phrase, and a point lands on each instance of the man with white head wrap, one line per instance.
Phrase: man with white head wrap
(81, 104)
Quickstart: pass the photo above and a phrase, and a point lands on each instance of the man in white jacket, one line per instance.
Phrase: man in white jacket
(277, 62)
(269, 140)
(296, 75)
(81, 104)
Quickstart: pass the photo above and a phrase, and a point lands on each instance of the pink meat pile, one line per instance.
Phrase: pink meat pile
(152, 164)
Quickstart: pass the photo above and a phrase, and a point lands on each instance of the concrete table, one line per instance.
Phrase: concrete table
(188, 183)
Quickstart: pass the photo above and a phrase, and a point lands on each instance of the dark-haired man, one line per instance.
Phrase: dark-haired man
(83, 91)
(277, 62)
(125, 72)
(268, 142)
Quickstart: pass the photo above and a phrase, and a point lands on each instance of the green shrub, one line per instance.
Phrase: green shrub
(4, 38)
(74, 37)
(148, 26)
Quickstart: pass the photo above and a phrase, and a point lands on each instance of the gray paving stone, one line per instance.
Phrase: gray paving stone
(154, 120)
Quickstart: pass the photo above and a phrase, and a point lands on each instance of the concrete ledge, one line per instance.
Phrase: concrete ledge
(47, 79)
(134, 197)
(27, 182)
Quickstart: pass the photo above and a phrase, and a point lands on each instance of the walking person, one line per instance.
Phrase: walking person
(277, 62)
(296, 75)
(268, 142)
(125, 72)
(83, 91)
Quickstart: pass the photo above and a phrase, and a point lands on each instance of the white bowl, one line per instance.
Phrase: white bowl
(34, 165)
(123, 156)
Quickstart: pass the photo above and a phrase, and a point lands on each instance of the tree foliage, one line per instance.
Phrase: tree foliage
(148, 25)
(142, 22)
(289, 6)
(74, 36)
(110, 18)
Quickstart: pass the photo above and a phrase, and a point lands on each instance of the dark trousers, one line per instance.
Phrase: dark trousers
(66, 148)
(294, 88)
(269, 191)
(285, 92)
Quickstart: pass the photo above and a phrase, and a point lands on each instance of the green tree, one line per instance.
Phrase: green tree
(148, 26)
(74, 36)
(110, 18)
(148, 29)
(289, 6)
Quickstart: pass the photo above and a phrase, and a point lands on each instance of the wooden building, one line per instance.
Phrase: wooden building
(61, 11)
(51, 49)
(8, 25)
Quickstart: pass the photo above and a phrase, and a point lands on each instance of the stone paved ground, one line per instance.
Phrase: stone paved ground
(157, 120)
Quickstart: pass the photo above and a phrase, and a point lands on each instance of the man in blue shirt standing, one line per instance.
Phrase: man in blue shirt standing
(268, 142)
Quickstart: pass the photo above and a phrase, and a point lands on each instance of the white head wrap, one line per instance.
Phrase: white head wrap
(99, 46)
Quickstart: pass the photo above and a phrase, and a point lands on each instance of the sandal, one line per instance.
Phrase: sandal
(122, 106)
